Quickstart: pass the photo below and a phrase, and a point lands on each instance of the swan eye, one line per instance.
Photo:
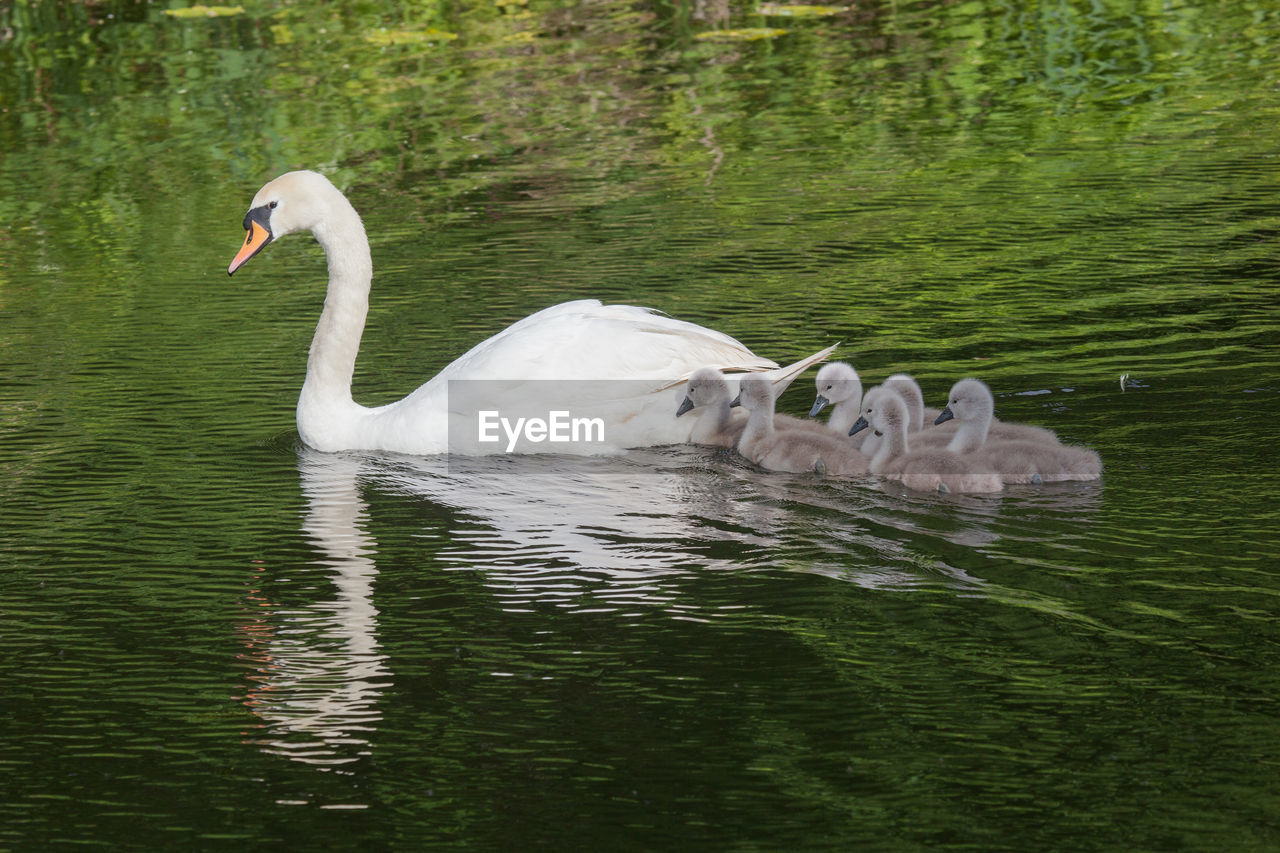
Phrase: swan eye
(273, 205)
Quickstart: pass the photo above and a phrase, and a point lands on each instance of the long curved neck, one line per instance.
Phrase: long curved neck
(892, 445)
(715, 421)
(844, 413)
(971, 434)
(910, 394)
(759, 426)
(915, 408)
(326, 392)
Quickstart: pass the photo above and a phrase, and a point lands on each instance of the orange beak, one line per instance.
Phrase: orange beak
(258, 236)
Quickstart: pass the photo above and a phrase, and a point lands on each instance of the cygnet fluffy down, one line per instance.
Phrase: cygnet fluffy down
(929, 469)
(797, 451)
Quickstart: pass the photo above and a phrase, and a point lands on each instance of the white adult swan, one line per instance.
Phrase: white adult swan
(581, 340)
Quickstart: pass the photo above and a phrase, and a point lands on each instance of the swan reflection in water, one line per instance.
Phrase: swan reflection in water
(318, 669)
(620, 534)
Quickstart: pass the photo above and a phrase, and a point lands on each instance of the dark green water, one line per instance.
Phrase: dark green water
(212, 636)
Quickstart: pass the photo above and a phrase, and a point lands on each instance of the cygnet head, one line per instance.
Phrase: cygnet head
(295, 201)
(885, 411)
(706, 386)
(755, 392)
(909, 389)
(836, 382)
(969, 400)
(882, 410)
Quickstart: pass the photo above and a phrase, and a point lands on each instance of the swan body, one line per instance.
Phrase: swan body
(797, 451)
(972, 406)
(929, 469)
(584, 346)
(1036, 462)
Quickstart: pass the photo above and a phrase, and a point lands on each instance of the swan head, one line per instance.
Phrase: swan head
(295, 201)
(836, 382)
(907, 387)
(969, 400)
(755, 392)
(706, 386)
(883, 410)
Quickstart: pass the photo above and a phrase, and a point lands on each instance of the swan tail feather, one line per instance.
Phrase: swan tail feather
(781, 377)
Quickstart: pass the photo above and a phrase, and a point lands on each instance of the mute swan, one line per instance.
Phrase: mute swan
(716, 425)
(920, 424)
(840, 387)
(909, 390)
(929, 469)
(971, 405)
(797, 451)
(919, 416)
(580, 340)
(1039, 458)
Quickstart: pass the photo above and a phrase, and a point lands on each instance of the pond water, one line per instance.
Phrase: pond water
(212, 634)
